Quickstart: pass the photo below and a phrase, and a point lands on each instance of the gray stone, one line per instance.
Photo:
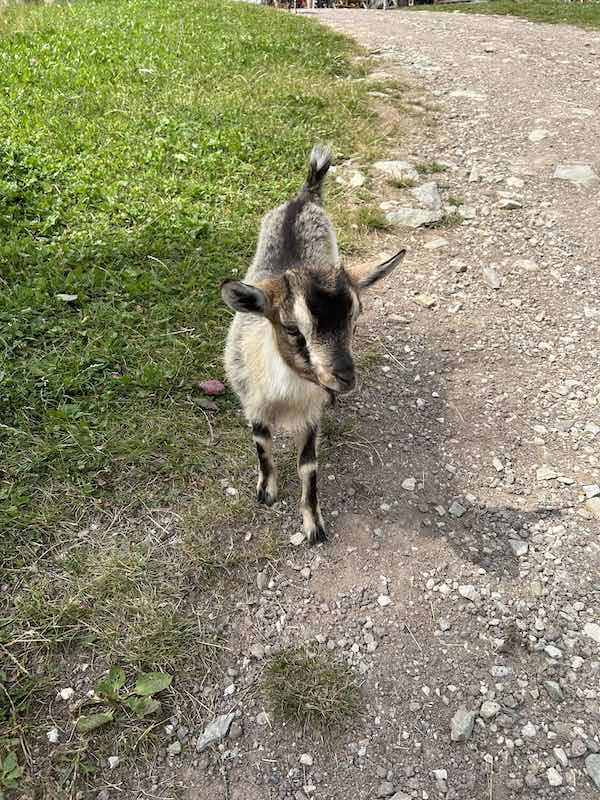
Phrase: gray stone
(489, 709)
(386, 789)
(518, 547)
(593, 506)
(469, 95)
(262, 718)
(297, 539)
(578, 748)
(467, 212)
(552, 651)
(409, 484)
(554, 690)
(546, 473)
(554, 777)
(592, 767)
(236, 731)
(592, 630)
(399, 170)
(457, 510)
(174, 749)
(529, 730)
(306, 760)
(492, 277)
(581, 174)
(469, 592)
(413, 217)
(428, 195)
(461, 726)
(561, 757)
(357, 179)
(214, 732)
(262, 580)
(538, 135)
(591, 490)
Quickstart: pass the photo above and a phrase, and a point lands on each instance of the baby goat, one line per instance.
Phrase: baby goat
(289, 348)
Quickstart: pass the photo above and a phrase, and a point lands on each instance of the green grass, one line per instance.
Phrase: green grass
(310, 689)
(372, 218)
(142, 141)
(585, 15)
(430, 167)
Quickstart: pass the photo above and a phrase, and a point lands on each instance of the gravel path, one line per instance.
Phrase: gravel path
(462, 580)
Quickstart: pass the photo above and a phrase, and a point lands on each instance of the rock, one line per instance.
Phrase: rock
(474, 175)
(509, 202)
(441, 778)
(529, 730)
(53, 735)
(214, 732)
(561, 757)
(469, 95)
(492, 277)
(546, 473)
(469, 592)
(357, 179)
(592, 767)
(399, 170)
(593, 506)
(257, 650)
(297, 539)
(467, 212)
(554, 777)
(262, 718)
(581, 174)
(552, 651)
(113, 761)
(461, 726)
(262, 580)
(305, 572)
(413, 217)
(497, 464)
(489, 709)
(174, 749)
(67, 693)
(401, 796)
(518, 547)
(538, 135)
(66, 298)
(515, 183)
(428, 195)
(444, 624)
(554, 690)
(386, 789)
(384, 600)
(592, 490)
(457, 510)
(527, 264)
(436, 244)
(592, 630)
(425, 300)
(236, 731)
(306, 760)
(532, 780)
(410, 484)
(578, 748)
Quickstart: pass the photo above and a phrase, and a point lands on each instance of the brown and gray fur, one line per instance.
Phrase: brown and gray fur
(289, 348)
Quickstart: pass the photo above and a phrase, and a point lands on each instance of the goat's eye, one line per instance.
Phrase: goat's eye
(291, 330)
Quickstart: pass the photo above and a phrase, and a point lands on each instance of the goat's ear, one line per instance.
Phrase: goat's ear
(245, 298)
(369, 277)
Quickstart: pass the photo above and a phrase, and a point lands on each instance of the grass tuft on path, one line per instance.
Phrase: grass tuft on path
(584, 15)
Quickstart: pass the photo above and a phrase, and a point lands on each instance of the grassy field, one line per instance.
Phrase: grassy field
(141, 142)
(585, 15)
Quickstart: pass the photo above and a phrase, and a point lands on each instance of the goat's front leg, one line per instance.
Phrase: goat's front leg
(266, 490)
(314, 528)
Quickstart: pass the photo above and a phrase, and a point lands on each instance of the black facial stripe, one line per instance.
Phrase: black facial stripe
(330, 308)
(303, 350)
(258, 429)
(309, 452)
(290, 250)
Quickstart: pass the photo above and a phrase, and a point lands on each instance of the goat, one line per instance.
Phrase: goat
(289, 347)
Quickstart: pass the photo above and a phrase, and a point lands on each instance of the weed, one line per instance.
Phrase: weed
(402, 183)
(372, 218)
(310, 689)
(431, 167)
(448, 221)
(453, 200)
(554, 11)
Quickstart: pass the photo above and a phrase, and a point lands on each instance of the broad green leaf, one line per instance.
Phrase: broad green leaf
(142, 706)
(9, 763)
(13, 776)
(93, 721)
(109, 686)
(148, 683)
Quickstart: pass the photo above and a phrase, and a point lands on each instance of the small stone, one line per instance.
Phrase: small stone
(386, 789)
(66, 298)
(532, 780)
(384, 600)
(492, 277)
(444, 624)
(428, 195)
(457, 510)
(593, 506)
(305, 572)
(425, 300)
(113, 761)
(509, 203)
(357, 180)
(527, 264)
(554, 690)
(518, 547)
(467, 212)
(497, 464)
(409, 484)
(262, 580)
(399, 170)
(538, 135)
(489, 709)
(552, 651)
(469, 592)
(441, 778)
(174, 749)
(262, 718)
(554, 777)
(592, 630)
(297, 539)
(461, 726)
(214, 732)
(592, 490)
(529, 730)
(435, 244)
(236, 731)
(592, 767)
(67, 693)
(257, 651)
(546, 473)
(561, 757)
(413, 217)
(306, 760)
(578, 748)
(581, 174)
(53, 735)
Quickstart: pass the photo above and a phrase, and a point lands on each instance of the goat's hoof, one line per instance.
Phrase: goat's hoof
(265, 498)
(316, 534)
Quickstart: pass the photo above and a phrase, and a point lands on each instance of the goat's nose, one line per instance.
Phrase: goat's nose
(344, 370)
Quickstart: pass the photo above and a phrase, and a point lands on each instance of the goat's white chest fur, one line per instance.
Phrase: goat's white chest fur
(268, 389)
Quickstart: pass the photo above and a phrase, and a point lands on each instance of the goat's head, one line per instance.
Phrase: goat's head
(314, 315)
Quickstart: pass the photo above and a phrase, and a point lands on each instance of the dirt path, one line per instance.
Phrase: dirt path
(464, 565)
